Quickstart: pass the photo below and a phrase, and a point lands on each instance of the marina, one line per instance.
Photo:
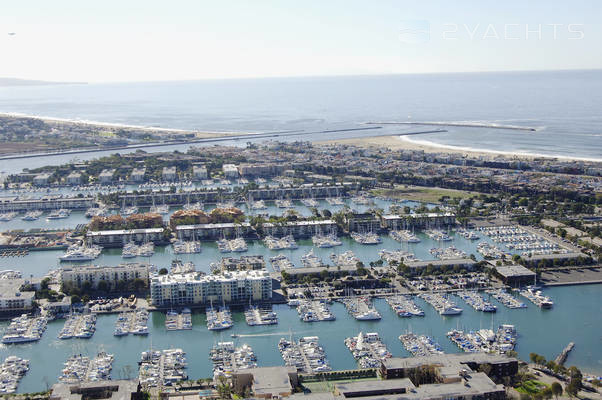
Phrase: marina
(24, 329)
(476, 301)
(485, 340)
(227, 358)
(420, 345)
(314, 311)
(219, 319)
(11, 371)
(186, 247)
(536, 297)
(281, 263)
(326, 241)
(81, 253)
(520, 241)
(442, 304)
(438, 235)
(448, 253)
(404, 306)
(404, 236)
(161, 368)
(79, 368)
(134, 322)
(506, 299)
(284, 243)
(80, 326)
(361, 308)
(178, 321)
(260, 315)
(237, 245)
(367, 349)
(306, 355)
(369, 238)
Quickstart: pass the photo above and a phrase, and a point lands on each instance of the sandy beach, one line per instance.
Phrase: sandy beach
(407, 143)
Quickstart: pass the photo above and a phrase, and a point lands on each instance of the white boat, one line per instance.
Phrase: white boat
(81, 253)
(32, 215)
(9, 216)
(59, 214)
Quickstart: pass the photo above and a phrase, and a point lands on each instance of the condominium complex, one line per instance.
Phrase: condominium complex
(194, 288)
(77, 275)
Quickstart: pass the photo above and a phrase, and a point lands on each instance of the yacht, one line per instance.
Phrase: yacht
(7, 216)
(127, 211)
(81, 253)
(450, 310)
(146, 250)
(130, 250)
(32, 216)
(370, 315)
(59, 214)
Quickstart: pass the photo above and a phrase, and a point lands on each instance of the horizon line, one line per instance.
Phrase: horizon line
(41, 82)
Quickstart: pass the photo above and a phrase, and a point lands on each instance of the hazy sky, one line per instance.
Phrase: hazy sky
(127, 40)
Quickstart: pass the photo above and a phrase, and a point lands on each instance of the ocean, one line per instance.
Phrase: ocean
(563, 106)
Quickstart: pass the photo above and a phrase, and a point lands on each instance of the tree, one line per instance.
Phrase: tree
(556, 389)
(163, 271)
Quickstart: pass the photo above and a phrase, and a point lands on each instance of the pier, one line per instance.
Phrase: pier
(226, 358)
(560, 360)
(178, 321)
(306, 355)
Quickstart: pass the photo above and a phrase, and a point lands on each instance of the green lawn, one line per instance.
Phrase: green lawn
(419, 193)
(531, 387)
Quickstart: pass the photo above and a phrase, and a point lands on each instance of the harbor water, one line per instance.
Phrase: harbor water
(573, 318)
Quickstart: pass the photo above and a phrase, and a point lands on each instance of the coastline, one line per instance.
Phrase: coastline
(395, 142)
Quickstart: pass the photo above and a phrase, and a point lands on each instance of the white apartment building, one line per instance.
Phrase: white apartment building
(199, 172)
(106, 176)
(137, 174)
(230, 171)
(77, 275)
(169, 174)
(194, 288)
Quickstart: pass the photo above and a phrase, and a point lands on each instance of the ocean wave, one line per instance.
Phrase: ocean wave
(489, 151)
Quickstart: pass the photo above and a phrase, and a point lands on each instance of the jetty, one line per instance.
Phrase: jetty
(314, 311)
(367, 349)
(134, 322)
(361, 308)
(404, 306)
(306, 355)
(218, 319)
(80, 326)
(80, 368)
(162, 367)
(226, 358)
(255, 315)
(24, 329)
(12, 370)
(420, 345)
(175, 321)
(561, 358)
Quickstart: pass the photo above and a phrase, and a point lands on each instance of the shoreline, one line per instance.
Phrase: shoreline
(397, 142)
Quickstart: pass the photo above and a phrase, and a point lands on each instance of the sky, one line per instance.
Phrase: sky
(150, 40)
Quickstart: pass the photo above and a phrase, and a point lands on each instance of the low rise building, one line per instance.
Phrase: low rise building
(233, 287)
(260, 170)
(77, 276)
(41, 179)
(169, 174)
(117, 238)
(266, 382)
(417, 221)
(137, 174)
(74, 178)
(300, 229)
(106, 176)
(230, 171)
(100, 390)
(199, 172)
(12, 300)
(515, 275)
(213, 231)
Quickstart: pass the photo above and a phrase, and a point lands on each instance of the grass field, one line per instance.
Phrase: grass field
(425, 194)
(531, 387)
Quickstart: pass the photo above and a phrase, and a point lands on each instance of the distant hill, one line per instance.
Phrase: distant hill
(28, 82)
